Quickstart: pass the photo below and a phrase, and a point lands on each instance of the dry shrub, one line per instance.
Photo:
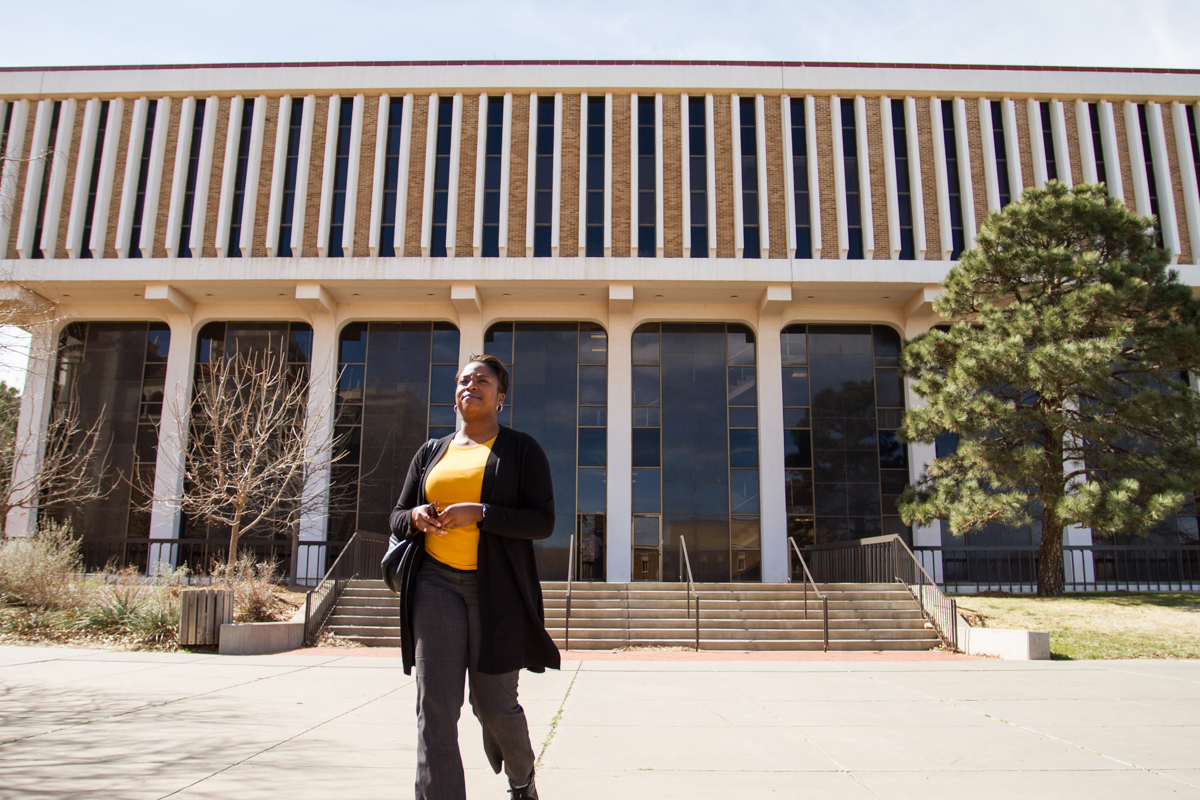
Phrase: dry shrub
(254, 584)
(39, 571)
(125, 604)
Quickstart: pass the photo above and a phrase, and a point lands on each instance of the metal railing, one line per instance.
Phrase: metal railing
(570, 579)
(360, 558)
(685, 563)
(888, 559)
(1086, 568)
(808, 579)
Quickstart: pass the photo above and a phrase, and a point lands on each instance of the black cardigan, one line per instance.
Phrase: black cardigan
(518, 498)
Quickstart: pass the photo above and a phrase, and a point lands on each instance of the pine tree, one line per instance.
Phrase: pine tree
(1064, 375)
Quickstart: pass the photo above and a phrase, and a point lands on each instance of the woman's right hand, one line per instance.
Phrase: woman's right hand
(425, 519)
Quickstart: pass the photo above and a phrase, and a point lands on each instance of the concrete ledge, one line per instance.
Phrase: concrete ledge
(259, 638)
(1011, 645)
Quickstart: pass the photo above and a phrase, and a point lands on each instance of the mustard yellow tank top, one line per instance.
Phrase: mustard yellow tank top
(457, 478)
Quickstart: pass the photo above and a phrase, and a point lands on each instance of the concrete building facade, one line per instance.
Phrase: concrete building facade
(700, 273)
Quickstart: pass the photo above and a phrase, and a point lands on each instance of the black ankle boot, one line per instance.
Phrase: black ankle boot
(526, 792)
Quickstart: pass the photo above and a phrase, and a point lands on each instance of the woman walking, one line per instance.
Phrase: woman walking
(470, 599)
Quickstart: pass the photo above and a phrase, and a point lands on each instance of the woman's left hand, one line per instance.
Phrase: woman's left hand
(459, 515)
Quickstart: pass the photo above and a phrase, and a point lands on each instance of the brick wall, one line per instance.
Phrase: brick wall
(1181, 217)
(568, 208)
(1072, 128)
(416, 176)
(776, 187)
(1024, 146)
(723, 166)
(622, 204)
(366, 175)
(823, 120)
(925, 134)
(70, 161)
(875, 134)
(1118, 108)
(168, 177)
(258, 243)
(518, 175)
(464, 235)
(114, 210)
(975, 148)
(672, 159)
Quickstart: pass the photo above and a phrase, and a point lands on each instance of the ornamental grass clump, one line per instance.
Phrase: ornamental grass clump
(39, 572)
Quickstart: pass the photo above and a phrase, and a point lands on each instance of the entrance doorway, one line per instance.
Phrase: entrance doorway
(647, 547)
(590, 553)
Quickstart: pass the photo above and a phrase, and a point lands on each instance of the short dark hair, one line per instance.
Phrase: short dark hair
(494, 365)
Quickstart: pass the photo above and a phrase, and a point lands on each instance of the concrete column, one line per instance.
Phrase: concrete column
(739, 230)
(402, 173)
(133, 162)
(583, 161)
(1112, 153)
(920, 456)
(158, 153)
(789, 179)
(620, 437)
(455, 160)
(208, 137)
(891, 190)
(839, 177)
(608, 172)
(914, 176)
(658, 175)
(864, 177)
(470, 320)
(685, 161)
(1159, 153)
(1058, 129)
(965, 183)
(556, 177)
(430, 173)
(1137, 160)
(711, 164)
(36, 402)
(83, 173)
(352, 168)
(1037, 143)
(58, 179)
(314, 519)
(814, 179)
(634, 194)
(505, 169)
(1187, 175)
(1087, 152)
(760, 164)
(1016, 180)
(275, 203)
(991, 176)
(939, 173)
(303, 161)
(328, 173)
(253, 168)
(378, 173)
(34, 170)
(237, 107)
(171, 458)
(15, 150)
(187, 115)
(772, 491)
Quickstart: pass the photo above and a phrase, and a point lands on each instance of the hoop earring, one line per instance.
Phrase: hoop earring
(499, 408)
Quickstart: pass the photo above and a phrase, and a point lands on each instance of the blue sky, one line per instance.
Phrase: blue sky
(1146, 33)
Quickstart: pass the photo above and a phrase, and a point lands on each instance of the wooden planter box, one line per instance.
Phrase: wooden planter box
(202, 612)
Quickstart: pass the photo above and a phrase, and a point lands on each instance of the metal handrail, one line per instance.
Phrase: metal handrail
(570, 579)
(940, 610)
(686, 563)
(356, 558)
(808, 579)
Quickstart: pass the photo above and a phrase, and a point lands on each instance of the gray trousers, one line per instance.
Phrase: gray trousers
(446, 630)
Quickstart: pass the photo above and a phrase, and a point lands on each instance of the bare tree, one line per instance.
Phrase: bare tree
(251, 447)
(72, 460)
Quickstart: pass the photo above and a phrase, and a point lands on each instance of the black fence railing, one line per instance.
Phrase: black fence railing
(886, 559)
(360, 559)
(305, 564)
(1086, 568)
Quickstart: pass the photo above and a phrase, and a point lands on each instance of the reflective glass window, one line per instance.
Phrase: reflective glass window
(391, 180)
(849, 134)
(139, 204)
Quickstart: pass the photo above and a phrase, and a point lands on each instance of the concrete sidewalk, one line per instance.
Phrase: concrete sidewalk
(340, 726)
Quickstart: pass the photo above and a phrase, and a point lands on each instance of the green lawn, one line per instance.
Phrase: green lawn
(1101, 625)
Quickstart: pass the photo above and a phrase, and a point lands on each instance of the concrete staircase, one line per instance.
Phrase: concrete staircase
(733, 616)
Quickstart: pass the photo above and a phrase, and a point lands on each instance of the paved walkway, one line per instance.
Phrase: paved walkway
(340, 726)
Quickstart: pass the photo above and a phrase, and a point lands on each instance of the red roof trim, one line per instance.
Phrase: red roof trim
(781, 64)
